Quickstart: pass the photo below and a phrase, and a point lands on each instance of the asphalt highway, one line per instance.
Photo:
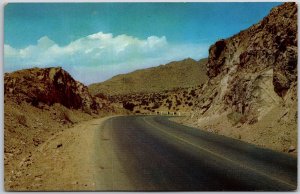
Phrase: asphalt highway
(157, 154)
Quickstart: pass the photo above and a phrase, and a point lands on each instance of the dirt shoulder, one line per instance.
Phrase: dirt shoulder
(277, 130)
(64, 162)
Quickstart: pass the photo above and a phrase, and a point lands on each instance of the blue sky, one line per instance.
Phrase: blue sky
(95, 41)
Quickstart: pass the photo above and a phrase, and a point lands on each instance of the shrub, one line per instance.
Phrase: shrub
(22, 120)
(170, 105)
(101, 95)
(128, 105)
(253, 121)
(145, 103)
(243, 119)
(193, 93)
(156, 105)
(234, 117)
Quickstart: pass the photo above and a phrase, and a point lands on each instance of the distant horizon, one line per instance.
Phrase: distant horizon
(94, 43)
(131, 71)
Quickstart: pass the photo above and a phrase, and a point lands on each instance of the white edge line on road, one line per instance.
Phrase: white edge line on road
(218, 155)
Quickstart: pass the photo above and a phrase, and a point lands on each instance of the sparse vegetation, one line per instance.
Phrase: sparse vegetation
(21, 119)
(234, 117)
(178, 102)
(128, 105)
(156, 105)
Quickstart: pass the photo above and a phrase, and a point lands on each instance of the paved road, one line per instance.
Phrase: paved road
(159, 155)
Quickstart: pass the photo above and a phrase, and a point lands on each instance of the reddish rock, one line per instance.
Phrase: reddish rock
(48, 86)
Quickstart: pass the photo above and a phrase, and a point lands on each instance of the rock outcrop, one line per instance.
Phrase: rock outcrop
(251, 93)
(39, 86)
(254, 70)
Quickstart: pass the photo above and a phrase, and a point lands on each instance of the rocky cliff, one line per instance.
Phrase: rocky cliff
(256, 65)
(253, 76)
(48, 86)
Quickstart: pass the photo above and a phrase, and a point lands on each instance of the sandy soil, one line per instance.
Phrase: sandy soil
(65, 162)
(277, 130)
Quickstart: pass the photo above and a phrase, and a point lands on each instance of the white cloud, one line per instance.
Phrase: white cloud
(10, 52)
(99, 56)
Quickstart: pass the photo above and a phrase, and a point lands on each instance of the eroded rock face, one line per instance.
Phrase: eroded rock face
(272, 43)
(216, 58)
(254, 70)
(48, 86)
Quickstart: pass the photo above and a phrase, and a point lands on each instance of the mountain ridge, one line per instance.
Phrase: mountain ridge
(184, 73)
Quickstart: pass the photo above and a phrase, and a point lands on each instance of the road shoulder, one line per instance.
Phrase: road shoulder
(65, 162)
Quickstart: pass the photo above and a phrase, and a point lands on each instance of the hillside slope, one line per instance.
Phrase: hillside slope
(40, 103)
(185, 73)
(252, 89)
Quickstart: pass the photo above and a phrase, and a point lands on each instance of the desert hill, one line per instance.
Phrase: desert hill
(185, 73)
(179, 101)
(39, 104)
(251, 93)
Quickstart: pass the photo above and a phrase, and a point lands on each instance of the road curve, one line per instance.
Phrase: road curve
(157, 154)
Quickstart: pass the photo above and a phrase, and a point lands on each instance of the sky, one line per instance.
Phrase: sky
(95, 41)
